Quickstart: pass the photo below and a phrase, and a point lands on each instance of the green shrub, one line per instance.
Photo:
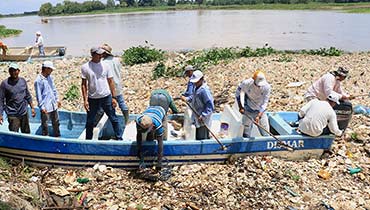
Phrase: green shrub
(285, 58)
(259, 52)
(5, 32)
(213, 56)
(162, 71)
(141, 54)
(73, 93)
(332, 51)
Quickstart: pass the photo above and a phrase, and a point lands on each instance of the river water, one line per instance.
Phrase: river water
(198, 29)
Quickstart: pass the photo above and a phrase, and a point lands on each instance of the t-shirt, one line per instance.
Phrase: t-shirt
(96, 75)
(115, 65)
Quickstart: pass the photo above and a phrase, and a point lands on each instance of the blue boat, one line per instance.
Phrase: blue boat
(72, 150)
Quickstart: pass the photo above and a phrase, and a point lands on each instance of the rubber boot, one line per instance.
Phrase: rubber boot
(126, 116)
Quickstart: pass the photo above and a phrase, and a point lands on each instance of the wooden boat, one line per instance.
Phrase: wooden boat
(23, 53)
(72, 150)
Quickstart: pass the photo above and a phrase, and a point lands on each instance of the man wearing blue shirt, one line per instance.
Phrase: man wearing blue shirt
(47, 99)
(151, 124)
(202, 102)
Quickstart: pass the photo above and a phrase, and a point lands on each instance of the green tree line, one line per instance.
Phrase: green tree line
(71, 7)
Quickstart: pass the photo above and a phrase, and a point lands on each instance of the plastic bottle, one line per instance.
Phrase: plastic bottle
(354, 170)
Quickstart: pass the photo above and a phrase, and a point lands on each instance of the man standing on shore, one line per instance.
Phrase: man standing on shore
(189, 69)
(116, 66)
(97, 91)
(47, 99)
(14, 97)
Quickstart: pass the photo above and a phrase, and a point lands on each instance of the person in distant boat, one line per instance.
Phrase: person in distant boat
(318, 117)
(40, 43)
(161, 97)
(189, 69)
(97, 90)
(329, 83)
(116, 67)
(3, 47)
(150, 122)
(14, 97)
(47, 99)
(202, 102)
(256, 96)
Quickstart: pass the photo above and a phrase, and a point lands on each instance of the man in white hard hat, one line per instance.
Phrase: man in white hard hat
(319, 118)
(256, 96)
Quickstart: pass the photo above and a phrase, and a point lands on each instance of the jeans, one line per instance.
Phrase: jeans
(21, 122)
(122, 105)
(248, 123)
(54, 117)
(105, 104)
(41, 50)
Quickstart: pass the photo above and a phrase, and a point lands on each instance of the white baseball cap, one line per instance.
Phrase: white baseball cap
(197, 75)
(334, 97)
(48, 64)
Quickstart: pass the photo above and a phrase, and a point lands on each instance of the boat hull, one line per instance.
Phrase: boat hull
(23, 53)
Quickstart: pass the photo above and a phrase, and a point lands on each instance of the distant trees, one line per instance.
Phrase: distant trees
(171, 3)
(110, 4)
(70, 7)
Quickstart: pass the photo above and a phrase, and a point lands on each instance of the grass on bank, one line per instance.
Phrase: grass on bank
(205, 58)
(6, 32)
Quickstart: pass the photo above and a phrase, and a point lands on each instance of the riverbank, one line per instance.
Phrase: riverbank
(250, 183)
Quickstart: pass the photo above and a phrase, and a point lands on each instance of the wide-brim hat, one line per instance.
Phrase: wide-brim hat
(342, 72)
(107, 49)
(145, 121)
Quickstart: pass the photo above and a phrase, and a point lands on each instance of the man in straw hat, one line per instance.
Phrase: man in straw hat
(116, 67)
(189, 69)
(151, 124)
(256, 96)
(14, 98)
(318, 117)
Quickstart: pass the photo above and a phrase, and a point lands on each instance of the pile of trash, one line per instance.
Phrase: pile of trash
(339, 180)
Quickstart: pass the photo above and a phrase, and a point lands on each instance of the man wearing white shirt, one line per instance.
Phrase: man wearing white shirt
(256, 96)
(319, 118)
(40, 43)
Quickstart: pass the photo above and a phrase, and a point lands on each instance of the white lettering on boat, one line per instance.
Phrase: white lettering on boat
(293, 143)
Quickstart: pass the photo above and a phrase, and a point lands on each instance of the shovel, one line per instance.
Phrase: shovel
(29, 58)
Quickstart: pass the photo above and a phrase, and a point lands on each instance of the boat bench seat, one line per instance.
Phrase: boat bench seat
(97, 128)
(280, 125)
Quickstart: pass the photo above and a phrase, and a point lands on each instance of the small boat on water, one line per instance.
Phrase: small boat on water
(72, 150)
(23, 53)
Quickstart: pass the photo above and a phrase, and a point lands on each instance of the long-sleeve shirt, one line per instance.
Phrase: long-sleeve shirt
(14, 97)
(324, 86)
(189, 89)
(316, 116)
(203, 103)
(170, 102)
(115, 65)
(46, 93)
(157, 114)
(255, 97)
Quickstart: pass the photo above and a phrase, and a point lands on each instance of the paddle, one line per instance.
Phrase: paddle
(223, 147)
(29, 58)
(279, 142)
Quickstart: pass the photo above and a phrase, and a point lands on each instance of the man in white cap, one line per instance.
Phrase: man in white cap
(189, 69)
(14, 97)
(319, 118)
(97, 91)
(202, 103)
(256, 96)
(47, 99)
(116, 67)
(40, 43)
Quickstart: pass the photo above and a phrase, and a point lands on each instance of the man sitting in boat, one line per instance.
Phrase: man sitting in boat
(202, 105)
(161, 97)
(319, 118)
(3, 47)
(256, 96)
(151, 124)
(14, 97)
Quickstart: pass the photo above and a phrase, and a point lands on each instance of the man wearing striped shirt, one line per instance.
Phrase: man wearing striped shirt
(151, 124)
